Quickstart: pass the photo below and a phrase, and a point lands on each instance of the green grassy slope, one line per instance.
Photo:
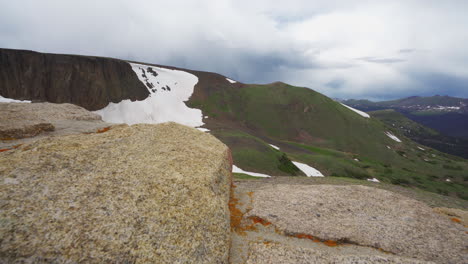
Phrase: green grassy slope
(314, 129)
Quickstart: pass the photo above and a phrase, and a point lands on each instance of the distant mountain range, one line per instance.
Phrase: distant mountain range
(448, 115)
(422, 134)
(415, 104)
(272, 129)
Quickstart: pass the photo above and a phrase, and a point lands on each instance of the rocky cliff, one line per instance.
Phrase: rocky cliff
(90, 82)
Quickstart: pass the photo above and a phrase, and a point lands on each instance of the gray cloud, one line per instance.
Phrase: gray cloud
(308, 43)
(381, 60)
(407, 50)
(336, 83)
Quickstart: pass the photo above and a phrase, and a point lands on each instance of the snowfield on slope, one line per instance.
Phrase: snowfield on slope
(239, 170)
(231, 81)
(169, 89)
(308, 170)
(361, 113)
(273, 146)
(390, 135)
(8, 100)
(373, 180)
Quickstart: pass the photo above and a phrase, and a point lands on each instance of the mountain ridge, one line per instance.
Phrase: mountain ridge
(306, 127)
(448, 115)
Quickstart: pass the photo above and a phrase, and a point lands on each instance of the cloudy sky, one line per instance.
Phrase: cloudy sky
(375, 49)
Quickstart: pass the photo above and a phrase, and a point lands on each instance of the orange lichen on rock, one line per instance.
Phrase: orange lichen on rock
(255, 220)
(3, 150)
(331, 243)
(302, 236)
(456, 220)
(103, 130)
(8, 138)
(258, 220)
(236, 214)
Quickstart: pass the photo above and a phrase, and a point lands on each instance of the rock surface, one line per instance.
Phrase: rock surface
(20, 120)
(139, 194)
(280, 253)
(456, 215)
(22, 123)
(364, 216)
(294, 220)
(90, 82)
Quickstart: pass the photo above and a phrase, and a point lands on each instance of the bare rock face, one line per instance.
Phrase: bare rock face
(139, 194)
(90, 82)
(20, 120)
(362, 216)
(279, 253)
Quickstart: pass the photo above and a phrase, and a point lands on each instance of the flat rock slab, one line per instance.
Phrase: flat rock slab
(139, 194)
(19, 120)
(364, 216)
(270, 253)
(26, 122)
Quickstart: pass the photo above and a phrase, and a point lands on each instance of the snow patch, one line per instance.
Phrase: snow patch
(373, 180)
(239, 170)
(308, 170)
(231, 81)
(169, 89)
(390, 135)
(356, 160)
(275, 147)
(366, 115)
(203, 129)
(421, 148)
(389, 147)
(8, 100)
(447, 107)
(448, 180)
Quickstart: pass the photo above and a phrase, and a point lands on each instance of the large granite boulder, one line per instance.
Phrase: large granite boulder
(138, 194)
(350, 216)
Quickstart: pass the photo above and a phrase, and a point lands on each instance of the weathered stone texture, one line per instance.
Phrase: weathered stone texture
(139, 194)
(359, 215)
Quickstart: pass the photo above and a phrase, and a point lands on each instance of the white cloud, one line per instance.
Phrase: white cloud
(340, 48)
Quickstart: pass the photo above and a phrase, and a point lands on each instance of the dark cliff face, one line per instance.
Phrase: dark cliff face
(90, 82)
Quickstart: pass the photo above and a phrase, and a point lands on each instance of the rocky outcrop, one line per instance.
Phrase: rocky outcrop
(139, 194)
(292, 223)
(20, 120)
(269, 253)
(90, 82)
